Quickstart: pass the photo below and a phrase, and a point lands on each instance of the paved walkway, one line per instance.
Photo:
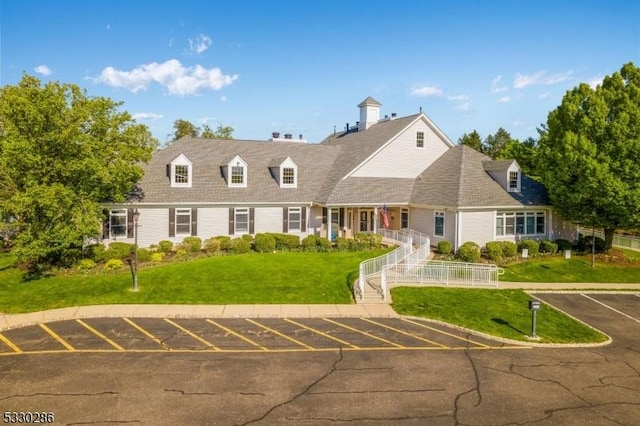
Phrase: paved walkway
(259, 311)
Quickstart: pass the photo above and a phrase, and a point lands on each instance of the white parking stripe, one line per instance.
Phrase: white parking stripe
(613, 309)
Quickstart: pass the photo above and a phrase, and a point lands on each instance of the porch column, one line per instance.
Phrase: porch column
(375, 219)
(329, 209)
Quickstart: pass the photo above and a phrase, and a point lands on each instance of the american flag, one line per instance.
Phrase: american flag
(385, 217)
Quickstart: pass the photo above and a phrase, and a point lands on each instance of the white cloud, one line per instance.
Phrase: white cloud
(200, 44)
(505, 99)
(147, 116)
(426, 91)
(43, 69)
(465, 107)
(594, 82)
(496, 87)
(223, 98)
(544, 95)
(540, 78)
(176, 78)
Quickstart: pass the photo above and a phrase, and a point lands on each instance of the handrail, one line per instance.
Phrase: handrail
(402, 253)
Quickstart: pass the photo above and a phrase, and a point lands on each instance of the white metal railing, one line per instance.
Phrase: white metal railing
(619, 240)
(407, 239)
(443, 273)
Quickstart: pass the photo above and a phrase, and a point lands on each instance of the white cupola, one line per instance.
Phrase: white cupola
(369, 113)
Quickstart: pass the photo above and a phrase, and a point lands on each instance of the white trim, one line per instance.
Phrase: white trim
(288, 163)
(241, 210)
(237, 162)
(182, 212)
(181, 160)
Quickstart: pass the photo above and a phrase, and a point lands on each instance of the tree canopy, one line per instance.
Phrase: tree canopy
(62, 154)
(184, 128)
(589, 153)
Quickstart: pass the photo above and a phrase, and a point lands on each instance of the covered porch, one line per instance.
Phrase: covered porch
(346, 221)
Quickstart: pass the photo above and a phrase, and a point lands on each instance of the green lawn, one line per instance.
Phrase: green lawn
(502, 313)
(576, 269)
(243, 279)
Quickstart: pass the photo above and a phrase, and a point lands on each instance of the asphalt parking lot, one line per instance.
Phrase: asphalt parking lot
(318, 371)
(237, 335)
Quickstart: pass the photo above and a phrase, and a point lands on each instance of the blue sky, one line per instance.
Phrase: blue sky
(302, 67)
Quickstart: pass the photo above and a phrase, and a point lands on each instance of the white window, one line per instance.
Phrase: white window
(183, 221)
(118, 223)
(237, 175)
(288, 176)
(295, 219)
(181, 171)
(521, 223)
(438, 225)
(420, 140)
(513, 181)
(241, 221)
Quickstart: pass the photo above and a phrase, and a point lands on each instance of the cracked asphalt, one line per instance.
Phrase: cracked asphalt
(450, 386)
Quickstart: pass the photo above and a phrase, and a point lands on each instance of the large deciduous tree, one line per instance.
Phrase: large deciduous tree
(589, 153)
(63, 153)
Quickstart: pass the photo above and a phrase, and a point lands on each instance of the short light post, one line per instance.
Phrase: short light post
(534, 307)
(136, 215)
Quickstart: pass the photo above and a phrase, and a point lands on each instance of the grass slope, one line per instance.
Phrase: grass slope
(577, 269)
(502, 313)
(243, 279)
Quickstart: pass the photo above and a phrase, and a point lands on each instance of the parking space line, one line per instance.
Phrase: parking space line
(328, 336)
(405, 333)
(10, 344)
(58, 338)
(102, 336)
(445, 333)
(238, 335)
(281, 335)
(145, 332)
(609, 307)
(195, 336)
(365, 333)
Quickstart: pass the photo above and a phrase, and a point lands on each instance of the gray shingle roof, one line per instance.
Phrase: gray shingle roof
(458, 179)
(369, 101)
(209, 186)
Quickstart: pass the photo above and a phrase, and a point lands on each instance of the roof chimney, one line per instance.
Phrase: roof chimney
(275, 135)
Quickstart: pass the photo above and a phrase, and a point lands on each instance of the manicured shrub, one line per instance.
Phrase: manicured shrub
(444, 247)
(86, 265)
(286, 242)
(309, 243)
(532, 246)
(368, 241)
(95, 252)
(225, 242)
(144, 255)
(547, 246)
(342, 244)
(248, 238)
(192, 244)
(113, 265)
(494, 251)
(509, 248)
(563, 244)
(324, 244)
(353, 245)
(118, 250)
(264, 243)
(182, 253)
(211, 246)
(157, 256)
(240, 246)
(469, 252)
(165, 246)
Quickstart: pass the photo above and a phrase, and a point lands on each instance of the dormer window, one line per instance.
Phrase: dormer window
(237, 173)
(181, 172)
(288, 174)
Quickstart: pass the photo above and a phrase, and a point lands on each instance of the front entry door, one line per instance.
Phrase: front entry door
(366, 220)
